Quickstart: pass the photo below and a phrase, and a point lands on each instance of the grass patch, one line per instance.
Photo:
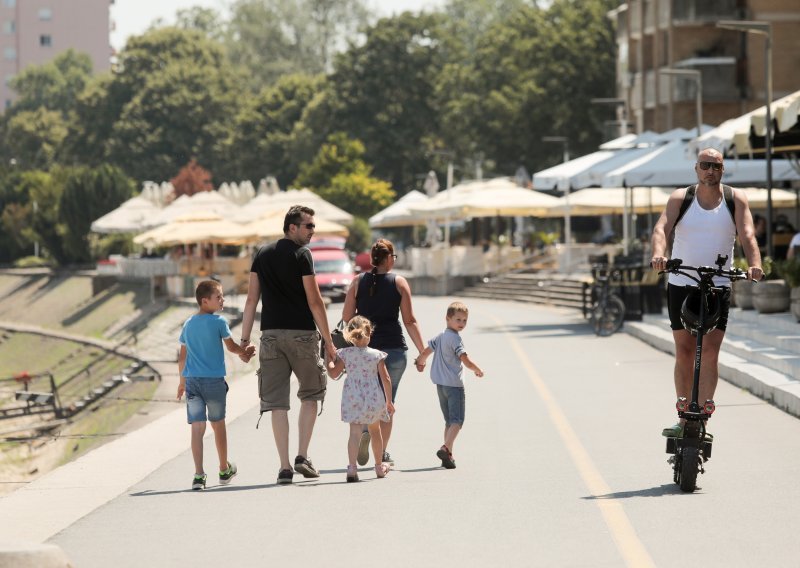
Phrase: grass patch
(105, 418)
(32, 353)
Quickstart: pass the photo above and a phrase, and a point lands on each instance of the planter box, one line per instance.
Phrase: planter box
(743, 294)
(771, 296)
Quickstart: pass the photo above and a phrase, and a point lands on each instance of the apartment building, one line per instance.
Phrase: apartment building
(35, 31)
(658, 35)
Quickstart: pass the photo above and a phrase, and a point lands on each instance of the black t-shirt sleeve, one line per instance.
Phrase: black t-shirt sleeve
(305, 262)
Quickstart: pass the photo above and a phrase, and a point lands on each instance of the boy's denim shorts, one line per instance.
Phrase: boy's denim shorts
(205, 393)
(396, 361)
(451, 399)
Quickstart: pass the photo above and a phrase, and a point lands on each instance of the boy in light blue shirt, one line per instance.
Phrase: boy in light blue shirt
(449, 358)
(201, 367)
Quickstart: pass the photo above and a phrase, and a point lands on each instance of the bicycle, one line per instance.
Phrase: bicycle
(693, 448)
(608, 310)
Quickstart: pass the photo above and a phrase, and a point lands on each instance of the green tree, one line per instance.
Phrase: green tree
(339, 155)
(44, 189)
(358, 193)
(272, 38)
(34, 137)
(172, 98)
(264, 138)
(89, 194)
(385, 91)
(54, 85)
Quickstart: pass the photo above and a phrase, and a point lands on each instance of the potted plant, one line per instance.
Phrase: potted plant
(790, 272)
(771, 295)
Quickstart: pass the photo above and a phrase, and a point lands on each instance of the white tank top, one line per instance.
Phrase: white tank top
(700, 236)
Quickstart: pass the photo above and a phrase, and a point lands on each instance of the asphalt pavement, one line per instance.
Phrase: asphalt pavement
(560, 463)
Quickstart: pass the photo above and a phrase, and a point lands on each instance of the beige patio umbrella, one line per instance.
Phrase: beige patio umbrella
(197, 228)
(133, 216)
(596, 201)
(489, 198)
(201, 203)
(264, 204)
(269, 227)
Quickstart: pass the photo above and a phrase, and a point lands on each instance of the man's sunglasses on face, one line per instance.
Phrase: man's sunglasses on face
(705, 165)
(309, 226)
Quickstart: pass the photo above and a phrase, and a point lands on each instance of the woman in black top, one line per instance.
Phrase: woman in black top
(383, 297)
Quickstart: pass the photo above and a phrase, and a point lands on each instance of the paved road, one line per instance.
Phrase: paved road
(560, 463)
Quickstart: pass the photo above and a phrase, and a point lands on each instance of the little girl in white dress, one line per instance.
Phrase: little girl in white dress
(364, 399)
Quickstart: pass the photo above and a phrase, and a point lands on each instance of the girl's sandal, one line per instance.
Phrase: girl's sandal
(352, 474)
(381, 469)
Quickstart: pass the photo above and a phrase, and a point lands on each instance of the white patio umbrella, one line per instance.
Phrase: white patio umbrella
(204, 202)
(672, 165)
(595, 201)
(134, 216)
(398, 213)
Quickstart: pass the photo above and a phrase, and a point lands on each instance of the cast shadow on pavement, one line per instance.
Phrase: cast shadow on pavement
(213, 488)
(660, 491)
(543, 330)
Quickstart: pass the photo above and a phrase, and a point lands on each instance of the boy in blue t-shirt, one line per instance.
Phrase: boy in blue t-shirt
(449, 358)
(201, 367)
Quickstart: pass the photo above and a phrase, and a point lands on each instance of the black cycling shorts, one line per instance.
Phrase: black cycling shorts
(677, 294)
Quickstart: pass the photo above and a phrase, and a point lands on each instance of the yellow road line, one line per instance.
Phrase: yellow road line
(628, 544)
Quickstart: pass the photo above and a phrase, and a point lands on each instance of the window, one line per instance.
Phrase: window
(9, 27)
(8, 79)
(9, 3)
(45, 14)
(46, 40)
(10, 53)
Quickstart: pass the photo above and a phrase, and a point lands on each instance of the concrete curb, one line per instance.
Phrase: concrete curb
(22, 554)
(55, 501)
(772, 386)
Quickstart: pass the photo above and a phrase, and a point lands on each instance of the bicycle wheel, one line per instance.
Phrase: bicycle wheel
(690, 464)
(607, 319)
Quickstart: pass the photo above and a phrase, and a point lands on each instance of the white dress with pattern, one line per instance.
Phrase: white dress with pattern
(363, 400)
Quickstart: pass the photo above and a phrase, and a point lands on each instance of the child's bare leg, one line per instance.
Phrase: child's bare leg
(221, 440)
(376, 441)
(386, 432)
(352, 443)
(198, 429)
(450, 434)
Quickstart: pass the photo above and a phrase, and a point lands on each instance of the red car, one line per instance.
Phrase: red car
(333, 269)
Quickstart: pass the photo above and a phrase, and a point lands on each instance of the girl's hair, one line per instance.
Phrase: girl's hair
(357, 329)
(381, 250)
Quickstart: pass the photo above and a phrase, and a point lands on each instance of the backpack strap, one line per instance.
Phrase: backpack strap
(687, 201)
(727, 193)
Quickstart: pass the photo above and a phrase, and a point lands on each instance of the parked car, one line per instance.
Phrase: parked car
(334, 271)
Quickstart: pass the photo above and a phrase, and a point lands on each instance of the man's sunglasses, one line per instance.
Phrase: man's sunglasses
(705, 165)
(310, 226)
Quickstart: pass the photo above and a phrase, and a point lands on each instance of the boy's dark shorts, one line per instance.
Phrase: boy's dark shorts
(287, 351)
(677, 294)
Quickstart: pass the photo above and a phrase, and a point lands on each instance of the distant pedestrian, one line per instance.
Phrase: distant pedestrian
(449, 355)
(201, 367)
(282, 278)
(384, 298)
(365, 400)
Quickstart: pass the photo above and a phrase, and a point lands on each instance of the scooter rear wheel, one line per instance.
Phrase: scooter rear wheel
(690, 464)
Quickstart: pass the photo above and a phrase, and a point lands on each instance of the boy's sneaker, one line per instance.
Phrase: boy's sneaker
(226, 475)
(304, 466)
(199, 482)
(387, 459)
(285, 476)
(363, 448)
(447, 458)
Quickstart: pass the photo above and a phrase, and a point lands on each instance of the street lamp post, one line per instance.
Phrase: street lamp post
(567, 220)
(765, 29)
(622, 111)
(697, 76)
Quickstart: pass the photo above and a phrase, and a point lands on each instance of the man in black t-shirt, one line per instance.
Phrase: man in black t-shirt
(292, 309)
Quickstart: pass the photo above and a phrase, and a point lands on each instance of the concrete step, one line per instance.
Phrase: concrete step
(759, 366)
